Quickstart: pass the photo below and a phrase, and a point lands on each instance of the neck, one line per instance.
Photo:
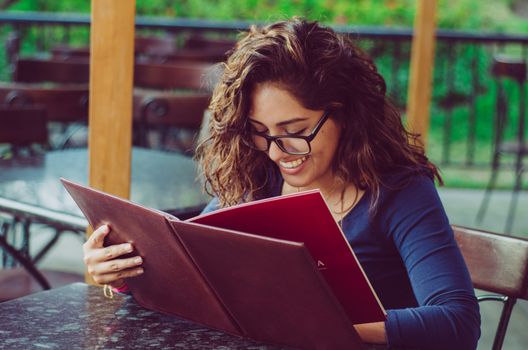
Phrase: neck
(340, 197)
(328, 186)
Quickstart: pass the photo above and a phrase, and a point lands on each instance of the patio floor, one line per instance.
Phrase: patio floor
(461, 206)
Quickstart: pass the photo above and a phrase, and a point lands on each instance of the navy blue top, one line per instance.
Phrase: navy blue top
(409, 254)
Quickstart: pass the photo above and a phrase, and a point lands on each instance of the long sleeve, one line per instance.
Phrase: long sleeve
(447, 315)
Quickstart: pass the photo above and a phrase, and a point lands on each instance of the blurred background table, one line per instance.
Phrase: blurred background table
(160, 180)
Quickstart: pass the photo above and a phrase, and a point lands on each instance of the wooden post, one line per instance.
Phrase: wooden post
(110, 107)
(422, 66)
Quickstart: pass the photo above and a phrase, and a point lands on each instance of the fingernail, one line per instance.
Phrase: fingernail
(138, 260)
(128, 247)
(140, 271)
(106, 229)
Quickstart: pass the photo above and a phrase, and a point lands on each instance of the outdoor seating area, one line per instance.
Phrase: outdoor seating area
(172, 89)
(124, 114)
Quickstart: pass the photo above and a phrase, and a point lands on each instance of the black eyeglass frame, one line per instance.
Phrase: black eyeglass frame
(307, 138)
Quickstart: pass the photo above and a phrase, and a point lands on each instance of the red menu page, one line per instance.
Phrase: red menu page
(305, 217)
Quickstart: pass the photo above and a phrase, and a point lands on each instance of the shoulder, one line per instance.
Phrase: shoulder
(409, 202)
(407, 188)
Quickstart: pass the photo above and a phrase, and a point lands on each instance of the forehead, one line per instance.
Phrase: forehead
(271, 104)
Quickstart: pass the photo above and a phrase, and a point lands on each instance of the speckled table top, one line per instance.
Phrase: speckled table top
(78, 316)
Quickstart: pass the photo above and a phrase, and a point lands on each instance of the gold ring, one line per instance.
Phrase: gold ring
(108, 291)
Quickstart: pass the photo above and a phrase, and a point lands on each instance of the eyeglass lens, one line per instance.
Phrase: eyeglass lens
(286, 144)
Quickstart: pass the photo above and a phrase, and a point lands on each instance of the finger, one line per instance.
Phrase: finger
(112, 277)
(108, 253)
(96, 240)
(115, 265)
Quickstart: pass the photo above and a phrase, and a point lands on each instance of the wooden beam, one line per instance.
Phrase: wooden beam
(111, 77)
(110, 106)
(422, 67)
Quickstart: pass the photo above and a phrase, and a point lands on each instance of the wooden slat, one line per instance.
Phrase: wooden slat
(110, 108)
(422, 65)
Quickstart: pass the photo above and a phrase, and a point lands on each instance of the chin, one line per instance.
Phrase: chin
(296, 181)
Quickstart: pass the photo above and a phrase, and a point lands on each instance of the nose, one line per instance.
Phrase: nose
(275, 153)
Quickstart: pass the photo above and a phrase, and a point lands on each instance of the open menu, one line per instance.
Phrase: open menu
(277, 270)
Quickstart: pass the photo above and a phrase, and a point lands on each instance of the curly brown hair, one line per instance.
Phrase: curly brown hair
(324, 71)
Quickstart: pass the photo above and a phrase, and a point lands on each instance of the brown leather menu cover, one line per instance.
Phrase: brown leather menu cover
(253, 285)
(271, 287)
(171, 283)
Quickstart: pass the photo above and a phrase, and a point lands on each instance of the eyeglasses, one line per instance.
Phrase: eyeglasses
(294, 145)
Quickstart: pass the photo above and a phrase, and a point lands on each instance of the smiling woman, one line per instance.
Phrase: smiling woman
(300, 107)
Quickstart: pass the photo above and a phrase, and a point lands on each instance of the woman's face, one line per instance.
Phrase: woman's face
(274, 111)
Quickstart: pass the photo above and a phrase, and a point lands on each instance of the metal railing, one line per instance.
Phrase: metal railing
(463, 93)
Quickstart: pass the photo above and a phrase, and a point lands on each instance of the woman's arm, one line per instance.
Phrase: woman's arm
(448, 315)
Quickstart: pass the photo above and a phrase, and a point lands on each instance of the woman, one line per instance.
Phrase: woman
(299, 107)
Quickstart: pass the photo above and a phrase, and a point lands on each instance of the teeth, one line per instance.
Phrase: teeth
(292, 164)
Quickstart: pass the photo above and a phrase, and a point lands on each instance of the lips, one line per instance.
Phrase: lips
(293, 164)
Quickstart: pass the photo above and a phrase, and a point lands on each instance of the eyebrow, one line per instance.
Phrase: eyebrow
(286, 122)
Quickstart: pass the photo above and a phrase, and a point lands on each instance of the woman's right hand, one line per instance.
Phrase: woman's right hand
(103, 264)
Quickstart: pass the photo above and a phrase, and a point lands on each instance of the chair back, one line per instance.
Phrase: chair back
(164, 112)
(63, 104)
(23, 126)
(204, 43)
(184, 56)
(142, 45)
(146, 44)
(67, 53)
(181, 111)
(191, 76)
(34, 70)
(156, 76)
(498, 264)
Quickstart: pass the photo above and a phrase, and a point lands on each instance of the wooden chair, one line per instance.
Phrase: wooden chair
(184, 55)
(497, 264)
(67, 107)
(182, 76)
(35, 70)
(196, 49)
(505, 68)
(143, 45)
(23, 130)
(155, 76)
(63, 104)
(203, 43)
(181, 114)
(23, 126)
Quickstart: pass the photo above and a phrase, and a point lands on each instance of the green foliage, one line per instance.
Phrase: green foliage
(490, 15)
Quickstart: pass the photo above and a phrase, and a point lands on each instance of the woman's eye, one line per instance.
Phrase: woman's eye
(295, 133)
(257, 131)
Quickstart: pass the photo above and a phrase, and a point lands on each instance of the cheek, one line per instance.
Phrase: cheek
(325, 145)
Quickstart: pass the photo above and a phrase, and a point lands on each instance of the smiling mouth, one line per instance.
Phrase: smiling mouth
(293, 164)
